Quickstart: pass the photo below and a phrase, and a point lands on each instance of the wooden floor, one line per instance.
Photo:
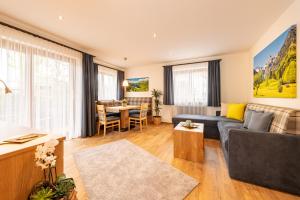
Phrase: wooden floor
(215, 182)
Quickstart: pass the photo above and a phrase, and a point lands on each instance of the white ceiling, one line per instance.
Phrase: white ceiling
(114, 29)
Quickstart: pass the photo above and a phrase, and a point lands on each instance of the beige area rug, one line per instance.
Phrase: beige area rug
(122, 170)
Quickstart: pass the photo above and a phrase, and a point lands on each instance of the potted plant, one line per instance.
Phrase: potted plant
(156, 94)
(53, 186)
(62, 189)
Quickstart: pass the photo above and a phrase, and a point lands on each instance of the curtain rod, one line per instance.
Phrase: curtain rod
(38, 36)
(195, 62)
(108, 67)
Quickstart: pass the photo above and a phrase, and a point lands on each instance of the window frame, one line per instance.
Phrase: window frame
(107, 89)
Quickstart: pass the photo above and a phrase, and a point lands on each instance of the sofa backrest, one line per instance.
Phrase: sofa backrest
(108, 103)
(285, 119)
(130, 101)
(139, 101)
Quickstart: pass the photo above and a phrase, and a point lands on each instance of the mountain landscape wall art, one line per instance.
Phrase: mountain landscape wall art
(275, 68)
(138, 84)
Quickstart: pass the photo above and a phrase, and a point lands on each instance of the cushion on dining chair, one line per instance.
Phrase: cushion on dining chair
(135, 115)
(131, 112)
(112, 118)
(112, 114)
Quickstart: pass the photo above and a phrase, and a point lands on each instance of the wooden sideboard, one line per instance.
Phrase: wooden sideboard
(18, 172)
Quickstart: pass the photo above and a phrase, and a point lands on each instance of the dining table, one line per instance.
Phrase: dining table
(124, 113)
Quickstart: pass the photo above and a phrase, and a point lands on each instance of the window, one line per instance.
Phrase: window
(46, 84)
(13, 71)
(107, 83)
(52, 93)
(190, 85)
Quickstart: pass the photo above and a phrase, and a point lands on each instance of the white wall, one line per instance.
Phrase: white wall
(236, 69)
(155, 74)
(289, 17)
(233, 66)
(235, 79)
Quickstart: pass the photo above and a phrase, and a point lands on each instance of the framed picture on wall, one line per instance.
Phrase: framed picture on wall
(138, 84)
(275, 67)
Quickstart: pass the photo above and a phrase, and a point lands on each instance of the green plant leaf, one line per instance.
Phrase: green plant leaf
(43, 194)
(156, 94)
(63, 187)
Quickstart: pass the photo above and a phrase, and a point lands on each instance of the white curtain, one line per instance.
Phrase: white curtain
(107, 83)
(46, 83)
(190, 88)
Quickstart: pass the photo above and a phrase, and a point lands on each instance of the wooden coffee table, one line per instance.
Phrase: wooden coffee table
(189, 143)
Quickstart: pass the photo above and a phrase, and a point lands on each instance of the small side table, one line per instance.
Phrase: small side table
(189, 143)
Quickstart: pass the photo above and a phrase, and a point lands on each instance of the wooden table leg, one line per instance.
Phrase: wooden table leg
(124, 119)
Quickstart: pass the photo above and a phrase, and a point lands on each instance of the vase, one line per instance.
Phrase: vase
(156, 120)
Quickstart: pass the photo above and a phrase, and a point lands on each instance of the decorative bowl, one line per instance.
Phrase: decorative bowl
(189, 125)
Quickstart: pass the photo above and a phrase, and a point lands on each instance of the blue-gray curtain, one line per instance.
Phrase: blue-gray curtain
(120, 89)
(214, 85)
(168, 86)
(88, 96)
(96, 81)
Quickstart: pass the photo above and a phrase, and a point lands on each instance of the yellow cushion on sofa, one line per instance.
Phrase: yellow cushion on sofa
(236, 111)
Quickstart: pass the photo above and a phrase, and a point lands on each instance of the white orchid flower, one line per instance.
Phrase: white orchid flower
(44, 155)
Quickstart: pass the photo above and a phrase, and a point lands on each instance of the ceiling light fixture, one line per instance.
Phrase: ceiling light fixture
(154, 35)
(60, 17)
(125, 58)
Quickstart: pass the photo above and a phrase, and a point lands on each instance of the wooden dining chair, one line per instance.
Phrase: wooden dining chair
(138, 119)
(107, 122)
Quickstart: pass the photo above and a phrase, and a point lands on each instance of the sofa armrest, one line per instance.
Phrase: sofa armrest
(267, 159)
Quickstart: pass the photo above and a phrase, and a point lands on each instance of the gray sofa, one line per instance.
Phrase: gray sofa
(270, 159)
(211, 123)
